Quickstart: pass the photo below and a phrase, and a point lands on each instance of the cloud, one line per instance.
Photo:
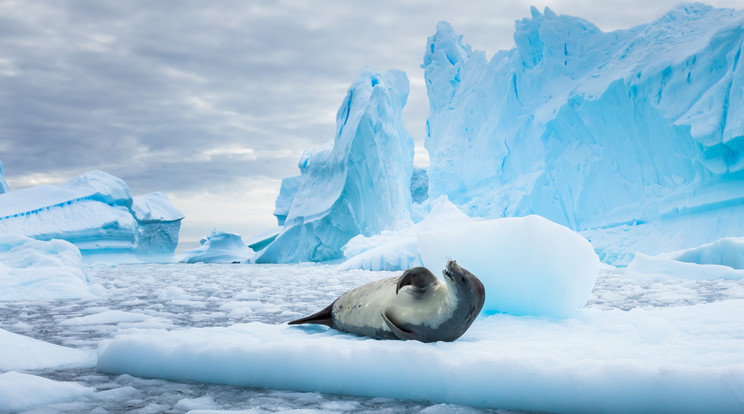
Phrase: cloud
(159, 93)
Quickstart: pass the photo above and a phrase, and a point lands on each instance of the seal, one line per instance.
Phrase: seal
(416, 306)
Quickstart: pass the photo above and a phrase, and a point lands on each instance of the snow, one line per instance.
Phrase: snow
(96, 212)
(359, 183)
(23, 391)
(219, 247)
(597, 131)
(528, 265)
(41, 270)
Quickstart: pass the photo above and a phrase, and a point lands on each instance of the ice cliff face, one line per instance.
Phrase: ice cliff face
(96, 212)
(359, 183)
(595, 130)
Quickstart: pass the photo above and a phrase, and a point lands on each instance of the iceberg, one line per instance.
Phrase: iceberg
(219, 247)
(359, 183)
(96, 212)
(631, 136)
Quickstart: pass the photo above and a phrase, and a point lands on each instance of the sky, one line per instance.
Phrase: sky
(213, 102)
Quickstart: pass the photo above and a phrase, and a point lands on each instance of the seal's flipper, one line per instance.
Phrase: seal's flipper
(418, 277)
(398, 331)
(320, 318)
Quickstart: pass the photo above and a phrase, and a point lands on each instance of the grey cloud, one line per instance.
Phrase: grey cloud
(138, 88)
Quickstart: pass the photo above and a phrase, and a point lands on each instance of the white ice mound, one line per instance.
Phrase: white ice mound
(96, 212)
(595, 130)
(686, 359)
(357, 184)
(41, 270)
(528, 265)
(723, 259)
(23, 353)
(219, 247)
(21, 392)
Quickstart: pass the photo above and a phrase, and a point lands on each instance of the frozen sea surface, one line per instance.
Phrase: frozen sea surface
(143, 297)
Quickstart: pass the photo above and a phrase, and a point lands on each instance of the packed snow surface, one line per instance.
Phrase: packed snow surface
(96, 212)
(219, 247)
(596, 131)
(41, 270)
(359, 183)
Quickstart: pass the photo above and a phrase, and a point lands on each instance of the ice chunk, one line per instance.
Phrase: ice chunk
(3, 184)
(528, 265)
(96, 212)
(595, 130)
(677, 359)
(23, 353)
(20, 392)
(357, 184)
(41, 270)
(219, 247)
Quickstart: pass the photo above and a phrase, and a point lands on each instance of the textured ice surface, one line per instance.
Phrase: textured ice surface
(596, 130)
(219, 247)
(3, 184)
(96, 212)
(359, 183)
(41, 270)
(528, 265)
(639, 330)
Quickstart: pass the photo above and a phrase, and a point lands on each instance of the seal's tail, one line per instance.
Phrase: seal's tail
(320, 318)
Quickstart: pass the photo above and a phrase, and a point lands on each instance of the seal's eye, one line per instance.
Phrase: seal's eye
(462, 278)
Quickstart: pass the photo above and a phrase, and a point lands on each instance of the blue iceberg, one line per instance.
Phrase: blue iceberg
(97, 213)
(359, 183)
(630, 135)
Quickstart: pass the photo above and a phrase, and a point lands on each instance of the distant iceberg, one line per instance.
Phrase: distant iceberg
(96, 212)
(597, 131)
(219, 247)
(359, 183)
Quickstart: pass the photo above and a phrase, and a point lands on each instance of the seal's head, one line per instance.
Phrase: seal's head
(466, 286)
